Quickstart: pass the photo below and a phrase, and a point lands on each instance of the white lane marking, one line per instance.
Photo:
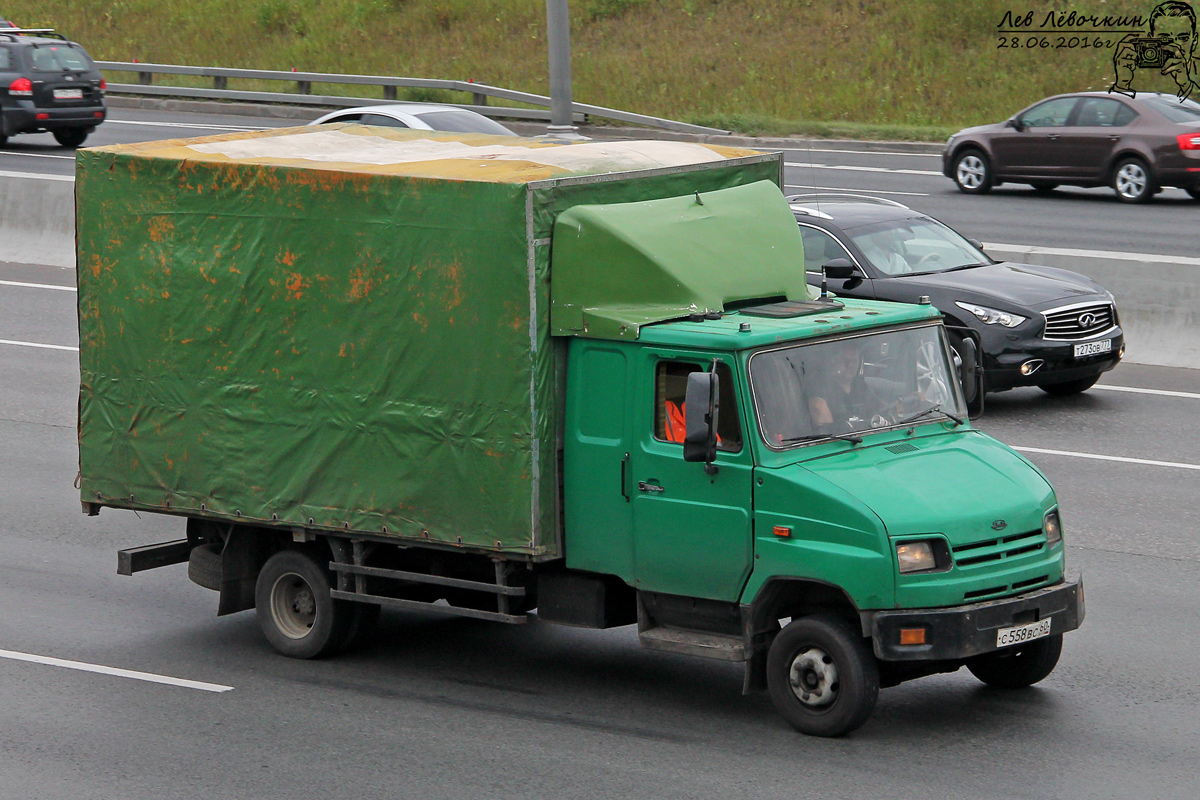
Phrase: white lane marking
(849, 168)
(183, 125)
(33, 155)
(1098, 457)
(1163, 392)
(149, 677)
(859, 191)
(36, 176)
(862, 152)
(1023, 249)
(38, 344)
(39, 286)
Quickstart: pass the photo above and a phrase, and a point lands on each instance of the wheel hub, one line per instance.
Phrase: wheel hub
(970, 172)
(1131, 180)
(293, 606)
(814, 677)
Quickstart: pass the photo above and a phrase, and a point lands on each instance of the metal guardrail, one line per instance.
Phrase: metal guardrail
(305, 80)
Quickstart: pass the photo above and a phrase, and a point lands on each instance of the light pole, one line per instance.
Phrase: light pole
(558, 42)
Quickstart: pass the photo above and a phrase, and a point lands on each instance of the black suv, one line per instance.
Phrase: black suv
(48, 84)
(1036, 326)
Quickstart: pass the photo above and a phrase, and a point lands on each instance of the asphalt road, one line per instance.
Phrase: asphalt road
(450, 708)
(1090, 219)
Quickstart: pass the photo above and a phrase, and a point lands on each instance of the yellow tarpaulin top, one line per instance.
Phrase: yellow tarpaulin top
(349, 147)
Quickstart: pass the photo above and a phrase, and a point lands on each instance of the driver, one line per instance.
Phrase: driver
(880, 248)
(842, 398)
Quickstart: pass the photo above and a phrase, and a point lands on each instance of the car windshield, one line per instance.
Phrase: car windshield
(461, 121)
(853, 385)
(1173, 108)
(60, 58)
(909, 246)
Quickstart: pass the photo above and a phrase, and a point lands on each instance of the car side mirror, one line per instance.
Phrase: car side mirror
(700, 418)
(978, 245)
(1015, 124)
(838, 268)
(970, 375)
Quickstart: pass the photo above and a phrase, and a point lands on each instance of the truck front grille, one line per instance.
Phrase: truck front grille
(996, 591)
(989, 550)
(1079, 322)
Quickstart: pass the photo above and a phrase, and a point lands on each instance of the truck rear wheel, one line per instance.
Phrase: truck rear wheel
(821, 676)
(1020, 666)
(294, 608)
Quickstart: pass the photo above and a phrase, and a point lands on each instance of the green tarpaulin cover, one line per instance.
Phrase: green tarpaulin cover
(344, 328)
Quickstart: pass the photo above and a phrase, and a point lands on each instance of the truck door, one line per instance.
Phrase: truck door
(692, 531)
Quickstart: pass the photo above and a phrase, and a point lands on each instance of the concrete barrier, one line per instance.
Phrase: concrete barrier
(37, 218)
(1158, 297)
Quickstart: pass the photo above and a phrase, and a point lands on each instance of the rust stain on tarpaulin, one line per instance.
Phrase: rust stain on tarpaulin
(159, 228)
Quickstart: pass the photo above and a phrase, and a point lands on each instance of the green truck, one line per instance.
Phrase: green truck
(480, 376)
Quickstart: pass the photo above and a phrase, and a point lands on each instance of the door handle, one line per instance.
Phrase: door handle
(625, 477)
(1052, 136)
(1114, 138)
(653, 488)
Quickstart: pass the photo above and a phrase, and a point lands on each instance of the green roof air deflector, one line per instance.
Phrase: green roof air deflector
(618, 267)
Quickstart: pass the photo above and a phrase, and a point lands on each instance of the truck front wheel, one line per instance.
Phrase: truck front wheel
(294, 608)
(1020, 666)
(821, 676)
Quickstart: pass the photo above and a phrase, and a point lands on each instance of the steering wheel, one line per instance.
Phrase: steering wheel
(929, 258)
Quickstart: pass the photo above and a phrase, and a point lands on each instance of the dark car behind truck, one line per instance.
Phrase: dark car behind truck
(479, 376)
(48, 84)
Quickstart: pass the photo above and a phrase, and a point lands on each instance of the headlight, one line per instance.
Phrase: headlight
(1053, 527)
(915, 557)
(990, 316)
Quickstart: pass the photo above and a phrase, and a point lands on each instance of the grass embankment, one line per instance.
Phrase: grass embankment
(903, 69)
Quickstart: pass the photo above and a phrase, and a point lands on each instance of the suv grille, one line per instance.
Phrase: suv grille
(968, 555)
(1079, 322)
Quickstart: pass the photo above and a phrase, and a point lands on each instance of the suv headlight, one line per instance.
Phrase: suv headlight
(1053, 527)
(990, 316)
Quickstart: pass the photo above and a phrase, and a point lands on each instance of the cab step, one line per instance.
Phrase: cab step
(693, 643)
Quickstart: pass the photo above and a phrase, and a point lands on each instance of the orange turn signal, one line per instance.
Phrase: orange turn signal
(783, 531)
(912, 636)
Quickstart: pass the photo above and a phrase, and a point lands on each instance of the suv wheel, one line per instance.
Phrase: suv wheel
(1194, 191)
(1133, 181)
(71, 137)
(972, 173)
(3, 140)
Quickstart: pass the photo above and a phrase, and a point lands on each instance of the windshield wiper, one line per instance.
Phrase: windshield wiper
(935, 409)
(845, 437)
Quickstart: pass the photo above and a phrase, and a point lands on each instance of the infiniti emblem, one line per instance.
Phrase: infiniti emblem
(999, 525)
(1087, 319)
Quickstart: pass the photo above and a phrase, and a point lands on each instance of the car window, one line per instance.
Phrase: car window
(382, 119)
(907, 246)
(342, 118)
(1172, 108)
(60, 57)
(1050, 114)
(5, 58)
(462, 121)
(1101, 112)
(819, 248)
(670, 390)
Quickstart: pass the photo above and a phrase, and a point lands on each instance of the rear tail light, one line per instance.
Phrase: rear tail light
(43, 116)
(21, 87)
(103, 84)
(1187, 141)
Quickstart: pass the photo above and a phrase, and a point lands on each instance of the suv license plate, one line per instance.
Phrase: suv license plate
(1023, 633)
(68, 94)
(1093, 348)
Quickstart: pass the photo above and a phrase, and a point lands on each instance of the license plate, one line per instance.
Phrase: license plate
(1093, 348)
(1022, 633)
(68, 94)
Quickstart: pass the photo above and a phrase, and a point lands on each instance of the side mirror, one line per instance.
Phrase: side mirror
(838, 268)
(970, 374)
(700, 440)
(978, 245)
(1015, 124)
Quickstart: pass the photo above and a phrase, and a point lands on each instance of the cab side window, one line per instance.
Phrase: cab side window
(670, 410)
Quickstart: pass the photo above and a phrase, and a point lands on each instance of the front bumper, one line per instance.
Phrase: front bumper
(1002, 363)
(959, 632)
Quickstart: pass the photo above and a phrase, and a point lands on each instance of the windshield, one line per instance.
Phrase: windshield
(854, 385)
(60, 58)
(908, 246)
(461, 121)
(1173, 108)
